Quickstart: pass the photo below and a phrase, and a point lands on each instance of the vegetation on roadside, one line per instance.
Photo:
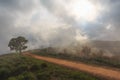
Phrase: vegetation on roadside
(88, 57)
(19, 67)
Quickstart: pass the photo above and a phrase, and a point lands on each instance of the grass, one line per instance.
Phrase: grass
(19, 67)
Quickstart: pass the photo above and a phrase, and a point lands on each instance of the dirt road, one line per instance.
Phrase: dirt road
(109, 74)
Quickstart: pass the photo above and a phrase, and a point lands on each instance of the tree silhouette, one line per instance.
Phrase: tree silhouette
(18, 44)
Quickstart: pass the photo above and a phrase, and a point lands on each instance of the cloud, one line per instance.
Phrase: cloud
(50, 22)
(110, 16)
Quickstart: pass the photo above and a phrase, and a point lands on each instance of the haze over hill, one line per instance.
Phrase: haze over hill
(111, 46)
(59, 22)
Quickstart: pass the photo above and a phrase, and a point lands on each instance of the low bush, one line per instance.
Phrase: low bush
(4, 72)
(26, 76)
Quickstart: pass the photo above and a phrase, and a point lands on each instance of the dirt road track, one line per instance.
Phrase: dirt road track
(108, 74)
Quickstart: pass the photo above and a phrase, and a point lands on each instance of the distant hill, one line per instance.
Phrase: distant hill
(111, 46)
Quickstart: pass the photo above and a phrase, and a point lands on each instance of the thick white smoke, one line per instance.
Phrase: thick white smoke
(57, 22)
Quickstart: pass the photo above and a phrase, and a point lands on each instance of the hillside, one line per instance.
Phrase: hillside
(19, 67)
(111, 46)
(107, 73)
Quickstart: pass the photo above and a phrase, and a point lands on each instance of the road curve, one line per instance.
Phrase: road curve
(109, 74)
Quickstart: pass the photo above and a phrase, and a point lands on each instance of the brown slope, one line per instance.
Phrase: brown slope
(109, 74)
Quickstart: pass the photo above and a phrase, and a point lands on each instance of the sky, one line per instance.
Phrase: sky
(58, 22)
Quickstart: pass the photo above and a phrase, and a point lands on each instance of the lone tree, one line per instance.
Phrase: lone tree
(18, 44)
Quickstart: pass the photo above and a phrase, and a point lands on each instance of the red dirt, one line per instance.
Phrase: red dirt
(107, 73)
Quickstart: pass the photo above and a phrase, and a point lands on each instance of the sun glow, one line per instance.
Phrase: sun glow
(83, 10)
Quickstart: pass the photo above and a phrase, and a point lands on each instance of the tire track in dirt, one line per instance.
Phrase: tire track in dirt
(109, 74)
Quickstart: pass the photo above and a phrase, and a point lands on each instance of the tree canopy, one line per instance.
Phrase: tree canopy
(18, 44)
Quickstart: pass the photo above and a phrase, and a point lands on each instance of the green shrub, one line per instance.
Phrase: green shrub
(43, 76)
(20, 69)
(4, 73)
(44, 65)
(26, 76)
(35, 67)
(12, 78)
